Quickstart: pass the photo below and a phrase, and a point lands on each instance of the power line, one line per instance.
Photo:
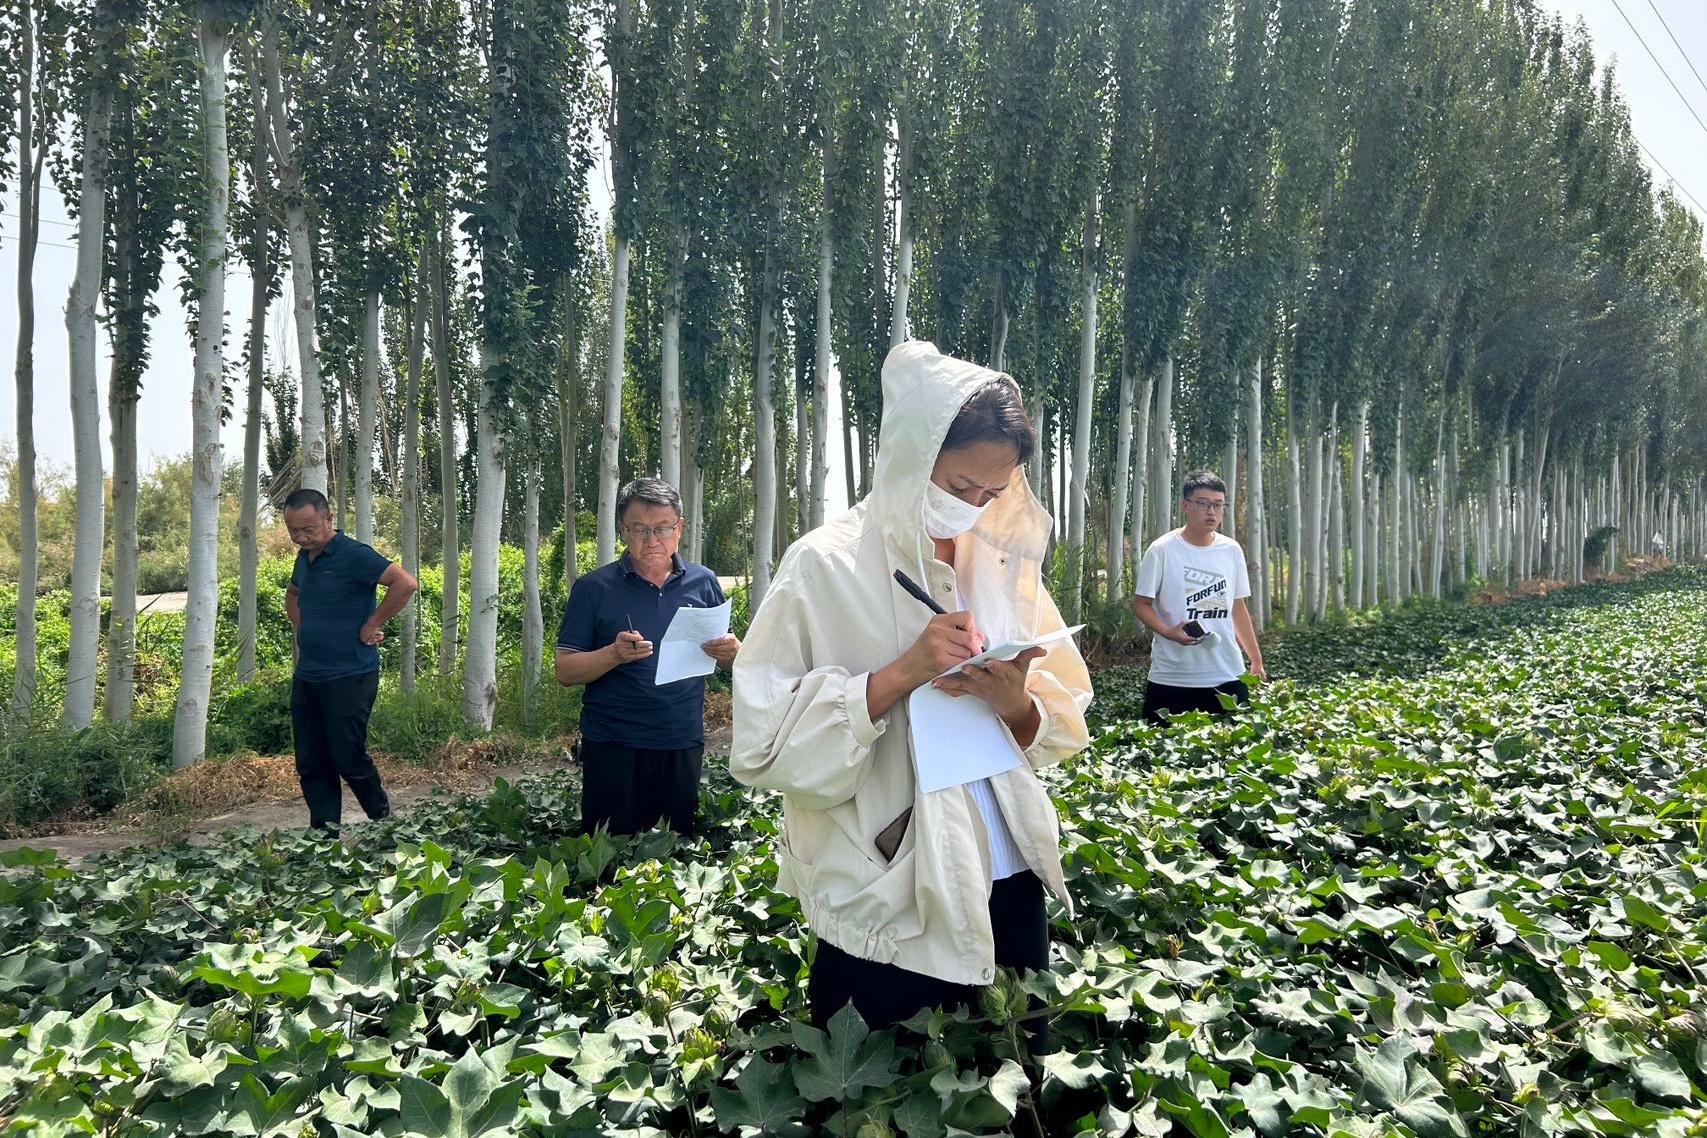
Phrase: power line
(46, 221)
(1677, 45)
(1661, 66)
(1682, 189)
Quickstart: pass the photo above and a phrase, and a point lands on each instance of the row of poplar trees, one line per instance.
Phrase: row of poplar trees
(1402, 255)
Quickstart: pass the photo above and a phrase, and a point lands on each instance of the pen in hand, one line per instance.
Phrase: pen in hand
(918, 593)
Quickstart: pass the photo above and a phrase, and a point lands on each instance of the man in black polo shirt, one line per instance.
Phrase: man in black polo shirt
(330, 602)
(642, 745)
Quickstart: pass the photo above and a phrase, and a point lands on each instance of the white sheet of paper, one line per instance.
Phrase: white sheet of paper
(956, 739)
(1009, 651)
(680, 656)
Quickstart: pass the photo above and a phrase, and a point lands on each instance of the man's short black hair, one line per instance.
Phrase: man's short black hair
(1201, 480)
(307, 496)
(652, 491)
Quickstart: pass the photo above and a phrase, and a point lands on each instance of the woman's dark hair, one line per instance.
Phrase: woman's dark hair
(994, 414)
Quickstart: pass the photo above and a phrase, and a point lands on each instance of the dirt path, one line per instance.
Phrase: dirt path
(280, 811)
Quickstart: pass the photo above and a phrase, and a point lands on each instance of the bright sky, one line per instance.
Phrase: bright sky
(1665, 121)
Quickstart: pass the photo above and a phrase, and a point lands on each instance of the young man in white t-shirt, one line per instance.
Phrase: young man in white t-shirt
(1192, 586)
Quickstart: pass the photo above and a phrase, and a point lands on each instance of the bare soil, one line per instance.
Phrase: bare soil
(261, 791)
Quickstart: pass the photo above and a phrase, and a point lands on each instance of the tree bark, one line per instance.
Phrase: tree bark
(450, 549)
(1141, 532)
(261, 273)
(411, 474)
(367, 404)
(1162, 490)
(24, 675)
(821, 363)
(313, 473)
(1086, 408)
(903, 229)
(1294, 521)
(1256, 517)
(568, 387)
(670, 361)
(1313, 516)
(81, 663)
(1122, 482)
(480, 662)
(201, 608)
(1359, 522)
(533, 619)
(610, 439)
(764, 446)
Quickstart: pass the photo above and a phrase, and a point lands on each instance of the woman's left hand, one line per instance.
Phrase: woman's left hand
(1000, 683)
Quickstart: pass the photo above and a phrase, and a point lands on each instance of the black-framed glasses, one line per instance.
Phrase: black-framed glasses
(1206, 505)
(636, 534)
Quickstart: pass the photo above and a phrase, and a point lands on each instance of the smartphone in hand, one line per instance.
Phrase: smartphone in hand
(1193, 629)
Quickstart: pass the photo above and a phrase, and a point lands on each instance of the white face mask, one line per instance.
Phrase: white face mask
(946, 516)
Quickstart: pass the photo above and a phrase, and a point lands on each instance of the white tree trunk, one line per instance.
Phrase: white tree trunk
(1359, 521)
(1437, 562)
(1230, 475)
(670, 362)
(1372, 569)
(480, 662)
(1140, 518)
(313, 474)
(1256, 519)
(411, 479)
(1294, 521)
(1162, 495)
(201, 608)
(29, 207)
(1460, 521)
(820, 480)
(81, 659)
(764, 446)
(1314, 517)
(1398, 569)
(1122, 482)
(367, 405)
(120, 691)
(450, 547)
(610, 440)
(1086, 406)
(568, 386)
(903, 230)
(1336, 527)
(1519, 568)
(533, 619)
(248, 519)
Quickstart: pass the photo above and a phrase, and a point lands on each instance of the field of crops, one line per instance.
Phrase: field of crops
(1452, 881)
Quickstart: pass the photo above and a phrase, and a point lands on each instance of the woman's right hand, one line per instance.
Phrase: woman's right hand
(949, 639)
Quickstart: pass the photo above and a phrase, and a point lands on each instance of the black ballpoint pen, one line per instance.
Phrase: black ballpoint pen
(918, 593)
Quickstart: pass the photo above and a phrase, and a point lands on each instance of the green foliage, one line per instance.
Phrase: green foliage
(1461, 900)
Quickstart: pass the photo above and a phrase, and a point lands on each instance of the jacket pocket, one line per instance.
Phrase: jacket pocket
(865, 901)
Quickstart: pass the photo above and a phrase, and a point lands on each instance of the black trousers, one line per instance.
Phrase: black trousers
(330, 720)
(629, 790)
(1171, 700)
(886, 994)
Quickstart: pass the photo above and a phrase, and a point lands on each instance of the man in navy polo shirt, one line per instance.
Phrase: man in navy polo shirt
(642, 745)
(330, 602)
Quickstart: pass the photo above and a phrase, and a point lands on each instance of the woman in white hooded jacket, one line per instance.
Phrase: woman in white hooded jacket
(915, 897)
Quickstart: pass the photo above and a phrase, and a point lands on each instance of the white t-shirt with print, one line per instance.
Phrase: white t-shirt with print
(1195, 582)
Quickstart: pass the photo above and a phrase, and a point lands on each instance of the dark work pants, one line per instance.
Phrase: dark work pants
(330, 720)
(1160, 698)
(886, 994)
(628, 790)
